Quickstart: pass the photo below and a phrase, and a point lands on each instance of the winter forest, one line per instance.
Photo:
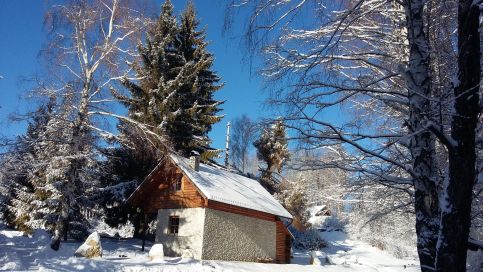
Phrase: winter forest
(368, 130)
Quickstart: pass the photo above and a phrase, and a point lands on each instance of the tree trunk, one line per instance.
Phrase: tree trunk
(137, 222)
(267, 182)
(61, 224)
(145, 227)
(457, 195)
(421, 143)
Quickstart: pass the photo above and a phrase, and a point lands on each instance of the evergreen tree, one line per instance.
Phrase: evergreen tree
(51, 175)
(294, 198)
(175, 94)
(19, 172)
(272, 149)
(138, 152)
(66, 176)
(201, 114)
(126, 168)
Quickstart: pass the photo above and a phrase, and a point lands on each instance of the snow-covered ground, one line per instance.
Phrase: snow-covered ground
(23, 253)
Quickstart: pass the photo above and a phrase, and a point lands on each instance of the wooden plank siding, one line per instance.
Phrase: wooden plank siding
(215, 205)
(283, 243)
(166, 198)
(157, 192)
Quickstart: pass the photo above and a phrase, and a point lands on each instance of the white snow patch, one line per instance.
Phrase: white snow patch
(34, 254)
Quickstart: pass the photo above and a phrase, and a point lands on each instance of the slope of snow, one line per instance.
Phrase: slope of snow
(343, 251)
(23, 253)
(221, 185)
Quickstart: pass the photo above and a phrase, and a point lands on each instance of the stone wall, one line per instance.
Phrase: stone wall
(234, 237)
(190, 234)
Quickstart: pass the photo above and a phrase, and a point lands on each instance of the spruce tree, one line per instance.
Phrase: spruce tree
(51, 175)
(20, 172)
(127, 166)
(137, 153)
(72, 173)
(202, 114)
(175, 94)
(174, 98)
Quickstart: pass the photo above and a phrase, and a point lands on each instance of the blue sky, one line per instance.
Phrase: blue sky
(22, 37)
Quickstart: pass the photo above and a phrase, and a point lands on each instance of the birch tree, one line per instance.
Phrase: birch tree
(90, 44)
(391, 65)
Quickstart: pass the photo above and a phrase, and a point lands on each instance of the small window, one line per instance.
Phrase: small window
(177, 183)
(173, 225)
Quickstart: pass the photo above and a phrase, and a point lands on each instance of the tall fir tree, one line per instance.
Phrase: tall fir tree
(18, 169)
(175, 94)
(202, 114)
(51, 176)
(137, 153)
(174, 98)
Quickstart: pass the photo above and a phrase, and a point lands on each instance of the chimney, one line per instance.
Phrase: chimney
(195, 160)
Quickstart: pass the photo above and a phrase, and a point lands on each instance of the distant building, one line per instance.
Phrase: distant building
(213, 214)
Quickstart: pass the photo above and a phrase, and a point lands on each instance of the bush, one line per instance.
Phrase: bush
(308, 240)
(333, 223)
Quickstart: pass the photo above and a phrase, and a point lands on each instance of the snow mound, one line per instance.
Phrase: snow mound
(156, 252)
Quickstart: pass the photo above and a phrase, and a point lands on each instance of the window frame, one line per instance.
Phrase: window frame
(173, 225)
(177, 185)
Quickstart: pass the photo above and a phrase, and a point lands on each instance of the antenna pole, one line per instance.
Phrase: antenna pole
(227, 147)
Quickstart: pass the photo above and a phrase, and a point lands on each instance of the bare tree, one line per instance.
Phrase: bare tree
(390, 64)
(90, 45)
(243, 135)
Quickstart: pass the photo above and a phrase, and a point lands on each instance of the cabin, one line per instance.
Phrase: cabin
(207, 212)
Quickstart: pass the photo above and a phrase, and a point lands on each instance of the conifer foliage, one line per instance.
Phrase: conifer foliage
(126, 168)
(173, 98)
(18, 171)
(174, 95)
(273, 150)
(48, 183)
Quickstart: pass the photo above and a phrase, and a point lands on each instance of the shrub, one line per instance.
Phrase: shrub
(308, 240)
(332, 223)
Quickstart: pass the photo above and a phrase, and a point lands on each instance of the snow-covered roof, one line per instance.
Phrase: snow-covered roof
(218, 184)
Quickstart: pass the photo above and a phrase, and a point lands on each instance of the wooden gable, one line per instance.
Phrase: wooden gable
(158, 191)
